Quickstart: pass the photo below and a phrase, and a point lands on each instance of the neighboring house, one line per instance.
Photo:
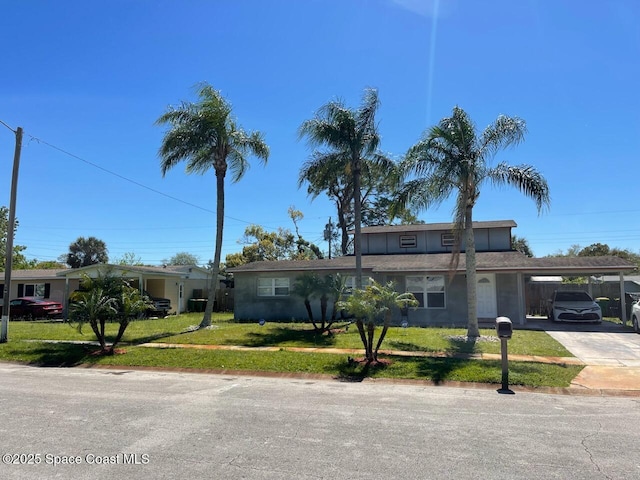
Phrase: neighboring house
(606, 282)
(37, 283)
(418, 259)
(178, 283)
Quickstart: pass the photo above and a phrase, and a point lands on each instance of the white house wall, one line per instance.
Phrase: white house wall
(56, 292)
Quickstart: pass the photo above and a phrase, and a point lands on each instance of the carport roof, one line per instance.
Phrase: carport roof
(440, 262)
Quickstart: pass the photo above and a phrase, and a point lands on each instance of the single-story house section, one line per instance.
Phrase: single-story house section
(45, 284)
(418, 258)
(178, 283)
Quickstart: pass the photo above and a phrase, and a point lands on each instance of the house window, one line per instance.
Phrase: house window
(350, 284)
(448, 239)
(429, 291)
(408, 241)
(39, 290)
(273, 287)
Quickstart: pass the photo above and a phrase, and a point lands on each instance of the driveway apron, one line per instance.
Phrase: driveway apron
(612, 359)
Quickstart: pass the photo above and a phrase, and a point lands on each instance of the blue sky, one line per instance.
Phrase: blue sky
(91, 78)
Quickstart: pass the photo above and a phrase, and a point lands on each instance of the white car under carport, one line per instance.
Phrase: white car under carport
(574, 306)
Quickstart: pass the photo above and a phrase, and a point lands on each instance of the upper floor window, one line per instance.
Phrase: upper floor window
(448, 239)
(408, 241)
(273, 287)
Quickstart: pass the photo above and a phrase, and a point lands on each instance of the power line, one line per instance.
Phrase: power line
(14, 131)
(122, 177)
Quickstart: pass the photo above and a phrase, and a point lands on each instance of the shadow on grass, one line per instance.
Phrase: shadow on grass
(276, 336)
(457, 345)
(353, 371)
(62, 355)
(408, 347)
(462, 345)
(438, 370)
(150, 338)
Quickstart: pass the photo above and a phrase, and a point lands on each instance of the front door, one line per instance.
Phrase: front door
(486, 291)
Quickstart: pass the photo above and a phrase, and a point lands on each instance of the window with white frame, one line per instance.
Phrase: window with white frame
(273, 287)
(408, 241)
(34, 290)
(350, 284)
(428, 290)
(447, 239)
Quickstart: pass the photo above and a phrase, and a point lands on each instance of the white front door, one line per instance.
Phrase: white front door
(486, 291)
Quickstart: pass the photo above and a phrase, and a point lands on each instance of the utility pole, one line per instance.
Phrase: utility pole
(4, 327)
(328, 234)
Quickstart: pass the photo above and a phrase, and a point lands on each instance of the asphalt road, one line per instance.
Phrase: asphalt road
(160, 425)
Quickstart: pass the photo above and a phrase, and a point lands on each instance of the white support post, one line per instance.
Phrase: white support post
(522, 304)
(623, 302)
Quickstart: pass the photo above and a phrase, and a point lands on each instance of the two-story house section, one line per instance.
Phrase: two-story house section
(417, 258)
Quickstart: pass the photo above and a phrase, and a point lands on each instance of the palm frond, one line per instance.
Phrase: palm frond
(204, 134)
(503, 133)
(526, 179)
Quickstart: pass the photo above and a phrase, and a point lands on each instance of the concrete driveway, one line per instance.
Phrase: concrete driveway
(601, 348)
(612, 358)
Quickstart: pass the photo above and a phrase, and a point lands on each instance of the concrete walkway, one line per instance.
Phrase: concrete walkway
(612, 359)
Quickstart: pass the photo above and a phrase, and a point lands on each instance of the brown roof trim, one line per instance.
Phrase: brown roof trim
(422, 227)
(440, 262)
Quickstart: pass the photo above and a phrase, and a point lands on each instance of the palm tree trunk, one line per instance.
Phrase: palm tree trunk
(387, 320)
(307, 305)
(103, 341)
(357, 210)
(470, 262)
(213, 288)
(124, 323)
(323, 310)
(342, 223)
(96, 331)
(370, 330)
(363, 336)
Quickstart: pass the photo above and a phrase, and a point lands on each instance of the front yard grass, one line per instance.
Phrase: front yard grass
(25, 346)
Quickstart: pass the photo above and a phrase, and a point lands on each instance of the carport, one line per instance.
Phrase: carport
(168, 281)
(575, 267)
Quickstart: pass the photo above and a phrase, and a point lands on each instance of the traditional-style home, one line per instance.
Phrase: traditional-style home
(418, 259)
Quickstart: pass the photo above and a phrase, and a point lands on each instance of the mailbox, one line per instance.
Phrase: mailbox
(504, 328)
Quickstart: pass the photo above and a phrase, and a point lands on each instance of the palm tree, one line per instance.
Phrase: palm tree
(452, 157)
(351, 137)
(94, 307)
(307, 286)
(103, 299)
(205, 135)
(369, 305)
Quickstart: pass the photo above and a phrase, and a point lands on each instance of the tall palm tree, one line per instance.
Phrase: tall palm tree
(205, 135)
(351, 137)
(452, 157)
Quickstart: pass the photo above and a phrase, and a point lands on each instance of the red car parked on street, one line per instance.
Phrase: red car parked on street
(31, 308)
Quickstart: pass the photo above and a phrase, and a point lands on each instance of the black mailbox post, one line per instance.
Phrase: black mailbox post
(504, 329)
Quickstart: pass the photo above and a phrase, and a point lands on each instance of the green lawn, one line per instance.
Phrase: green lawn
(23, 346)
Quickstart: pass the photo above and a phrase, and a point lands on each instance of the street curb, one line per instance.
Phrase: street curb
(573, 391)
